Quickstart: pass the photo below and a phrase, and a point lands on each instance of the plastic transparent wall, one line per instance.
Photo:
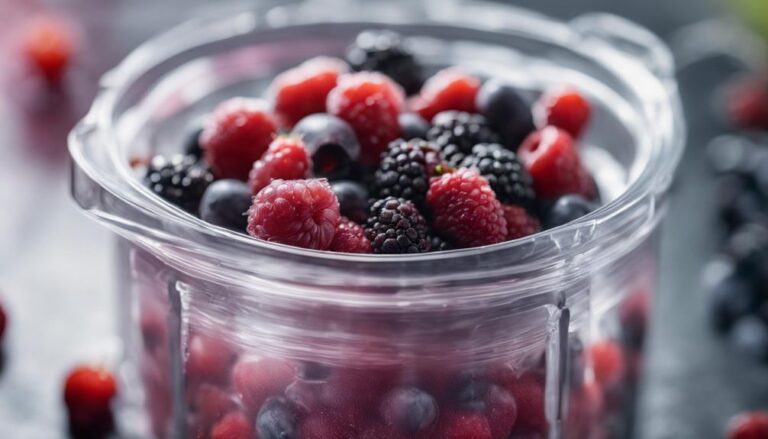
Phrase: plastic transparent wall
(215, 323)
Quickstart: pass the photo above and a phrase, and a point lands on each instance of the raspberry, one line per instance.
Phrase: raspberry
(88, 394)
(402, 172)
(180, 180)
(501, 410)
(396, 226)
(302, 213)
(465, 209)
(350, 238)
(553, 161)
(449, 89)
(383, 51)
(286, 159)
(303, 90)
(566, 109)
(463, 425)
(607, 362)
(456, 133)
(256, 380)
(752, 425)
(519, 222)
(209, 359)
(746, 103)
(211, 403)
(233, 426)
(238, 134)
(49, 46)
(528, 391)
(507, 176)
(325, 426)
(370, 102)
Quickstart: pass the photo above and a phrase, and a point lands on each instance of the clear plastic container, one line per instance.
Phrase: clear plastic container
(539, 337)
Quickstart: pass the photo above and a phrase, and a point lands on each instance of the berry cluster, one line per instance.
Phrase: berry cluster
(364, 168)
(736, 278)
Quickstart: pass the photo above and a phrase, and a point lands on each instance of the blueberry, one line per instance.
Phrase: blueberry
(568, 208)
(748, 246)
(750, 336)
(413, 126)
(730, 299)
(331, 142)
(737, 202)
(507, 112)
(470, 393)
(226, 203)
(410, 410)
(276, 420)
(353, 199)
(192, 144)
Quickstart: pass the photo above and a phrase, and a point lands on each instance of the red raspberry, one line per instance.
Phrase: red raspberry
(607, 362)
(48, 44)
(237, 135)
(528, 391)
(519, 222)
(553, 161)
(350, 238)
(3, 322)
(88, 394)
(257, 380)
(449, 89)
(753, 425)
(303, 213)
(325, 426)
(563, 108)
(211, 403)
(746, 103)
(233, 426)
(209, 359)
(501, 412)
(466, 210)
(303, 90)
(371, 103)
(286, 159)
(463, 425)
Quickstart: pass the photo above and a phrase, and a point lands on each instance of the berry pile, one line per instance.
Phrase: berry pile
(367, 155)
(736, 278)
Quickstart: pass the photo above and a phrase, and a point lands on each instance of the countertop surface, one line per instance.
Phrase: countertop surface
(55, 265)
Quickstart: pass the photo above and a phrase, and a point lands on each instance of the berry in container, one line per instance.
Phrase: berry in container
(426, 224)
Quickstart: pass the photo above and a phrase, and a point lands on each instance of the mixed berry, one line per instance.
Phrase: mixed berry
(408, 160)
(88, 395)
(735, 279)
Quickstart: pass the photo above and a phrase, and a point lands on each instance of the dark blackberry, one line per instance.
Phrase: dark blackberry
(180, 180)
(457, 132)
(507, 176)
(383, 51)
(395, 226)
(402, 171)
(439, 244)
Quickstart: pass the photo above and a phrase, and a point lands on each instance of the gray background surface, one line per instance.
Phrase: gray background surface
(55, 272)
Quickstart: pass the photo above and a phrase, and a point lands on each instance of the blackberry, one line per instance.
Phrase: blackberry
(383, 51)
(402, 172)
(395, 226)
(507, 176)
(457, 132)
(180, 180)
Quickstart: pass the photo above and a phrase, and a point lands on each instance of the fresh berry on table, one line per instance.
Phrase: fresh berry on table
(335, 158)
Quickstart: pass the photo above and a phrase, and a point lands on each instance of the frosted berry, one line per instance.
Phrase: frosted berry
(238, 134)
(302, 213)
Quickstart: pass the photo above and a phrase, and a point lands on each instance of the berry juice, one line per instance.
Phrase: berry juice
(498, 286)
